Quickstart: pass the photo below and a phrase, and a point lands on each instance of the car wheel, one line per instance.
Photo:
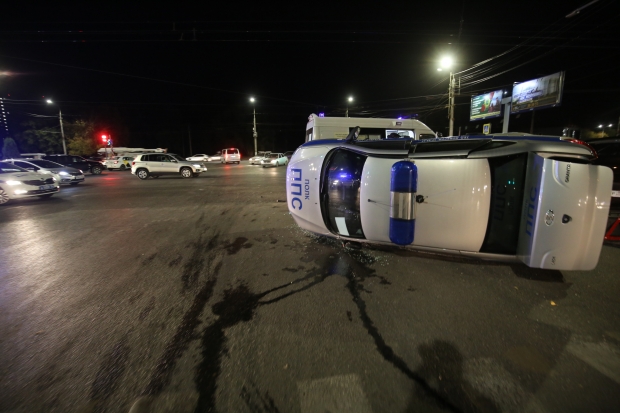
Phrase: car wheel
(186, 173)
(4, 197)
(95, 170)
(142, 173)
(123, 167)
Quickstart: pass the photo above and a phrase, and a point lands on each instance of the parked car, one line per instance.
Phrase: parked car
(77, 162)
(62, 174)
(274, 159)
(230, 155)
(200, 157)
(255, 160)
(118, 162)
(608, 150)
(16, 182)
(216, 157)
(158, 164)
(507, 197)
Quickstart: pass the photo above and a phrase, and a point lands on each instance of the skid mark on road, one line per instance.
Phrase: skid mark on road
(110, 372)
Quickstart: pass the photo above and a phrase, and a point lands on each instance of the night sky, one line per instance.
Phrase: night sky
(152, 75)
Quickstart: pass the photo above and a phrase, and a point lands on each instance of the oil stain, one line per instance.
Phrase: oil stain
(149, 259)
(349, 315)
(146, 310)
(175, 261)
(196, 262)
(236, 246)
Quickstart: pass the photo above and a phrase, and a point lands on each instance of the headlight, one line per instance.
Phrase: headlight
(13, 183)
(20, 191)
(81, 171)
(197, 166)
(63, 173)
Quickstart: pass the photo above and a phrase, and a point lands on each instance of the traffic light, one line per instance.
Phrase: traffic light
(104, 138)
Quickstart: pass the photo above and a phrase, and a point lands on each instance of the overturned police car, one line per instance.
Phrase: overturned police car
(507, 197)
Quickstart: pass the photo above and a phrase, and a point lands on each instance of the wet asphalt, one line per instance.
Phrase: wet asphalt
(202, 295)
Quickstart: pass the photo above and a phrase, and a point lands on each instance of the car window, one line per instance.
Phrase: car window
(6, 168)
(177, 157)
(340, 192)
(25, 165)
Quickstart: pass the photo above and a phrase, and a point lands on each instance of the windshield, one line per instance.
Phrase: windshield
(507, 186)
(45, 164)
(6, 168)
(178, 158)
(340, 193)
(273, 156)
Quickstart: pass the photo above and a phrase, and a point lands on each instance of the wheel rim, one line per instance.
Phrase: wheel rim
(4, 197)
(142, 174)
(96, 170)
(186, 173)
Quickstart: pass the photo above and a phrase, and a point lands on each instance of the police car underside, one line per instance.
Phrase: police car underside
(501, 198)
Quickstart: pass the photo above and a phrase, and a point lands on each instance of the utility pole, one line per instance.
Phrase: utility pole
(451, 103)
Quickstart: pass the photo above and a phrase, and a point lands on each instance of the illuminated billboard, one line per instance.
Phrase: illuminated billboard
(538, 93)
(488, 105)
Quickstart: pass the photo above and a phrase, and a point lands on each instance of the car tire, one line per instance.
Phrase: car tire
(186, 173)
(142, 173)
(122, 168)
(4, 197)
(95, 170)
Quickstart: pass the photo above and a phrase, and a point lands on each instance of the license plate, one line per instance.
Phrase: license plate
(44, 187)
(78, 177)
(615, 194)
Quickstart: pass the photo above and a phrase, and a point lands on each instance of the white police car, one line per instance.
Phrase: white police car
(506, 197)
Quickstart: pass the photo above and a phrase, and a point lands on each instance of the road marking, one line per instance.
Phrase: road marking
(343, 394)
(603, 356)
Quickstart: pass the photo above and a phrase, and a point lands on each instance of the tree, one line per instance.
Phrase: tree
(9, 148)
(80, 136)
(36, 137)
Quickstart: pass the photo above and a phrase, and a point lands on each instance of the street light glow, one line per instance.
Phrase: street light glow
(350, 99)
(49, 101)
(446, 62)
(252, 100)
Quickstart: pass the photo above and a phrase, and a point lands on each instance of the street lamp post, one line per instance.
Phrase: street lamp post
(254, 133)
(446, 62)
(349, 100)
(62, 131)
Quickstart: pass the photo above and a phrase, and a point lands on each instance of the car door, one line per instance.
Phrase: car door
(169, 165)
(26, 165)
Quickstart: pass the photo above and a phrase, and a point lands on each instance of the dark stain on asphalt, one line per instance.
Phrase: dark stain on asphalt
(185, 332)
(149, 259)
(109, 374)
(195, 265)
(537, 274)
(442, 364)
(146, 310)
(176, 261)
(224, 212)
(236, 246)
(238, 304)
(257, 402)
(411, 289)
(293, 270)
(136, 296)
(349, 316)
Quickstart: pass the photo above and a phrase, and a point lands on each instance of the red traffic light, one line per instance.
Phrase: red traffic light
(104, 138)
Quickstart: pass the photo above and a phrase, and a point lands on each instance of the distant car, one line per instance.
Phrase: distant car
(506, 197)
(62, 174)
(118, 162)
(16, 182)
(608, 150)
(216, 157)
(200, 157)
(274, 159)
(255, 160)
(77, 162)
(230, 155)
(158, 164)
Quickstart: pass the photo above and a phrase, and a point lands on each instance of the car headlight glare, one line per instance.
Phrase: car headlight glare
(63, 173)
(13, 183)
(20, 191)
(197, 165)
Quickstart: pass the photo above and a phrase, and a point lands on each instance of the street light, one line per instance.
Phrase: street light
(349, 100)
(446, 62)
(254, 133)
(62, 131)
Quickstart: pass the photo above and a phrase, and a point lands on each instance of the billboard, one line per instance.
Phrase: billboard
(488, 105)
(538, 93)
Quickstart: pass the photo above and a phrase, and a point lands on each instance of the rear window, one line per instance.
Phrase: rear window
(507, 188)
(340, 193)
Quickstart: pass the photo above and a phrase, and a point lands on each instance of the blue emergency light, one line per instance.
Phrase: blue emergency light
(403, 186)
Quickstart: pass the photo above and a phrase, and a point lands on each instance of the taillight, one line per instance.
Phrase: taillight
(579, 142)
(133, 163)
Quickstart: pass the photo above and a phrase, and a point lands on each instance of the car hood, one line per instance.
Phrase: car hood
(21, 176)
(302, 188)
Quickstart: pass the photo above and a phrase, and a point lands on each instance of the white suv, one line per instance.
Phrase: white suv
(230, 155)
(157, 164)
